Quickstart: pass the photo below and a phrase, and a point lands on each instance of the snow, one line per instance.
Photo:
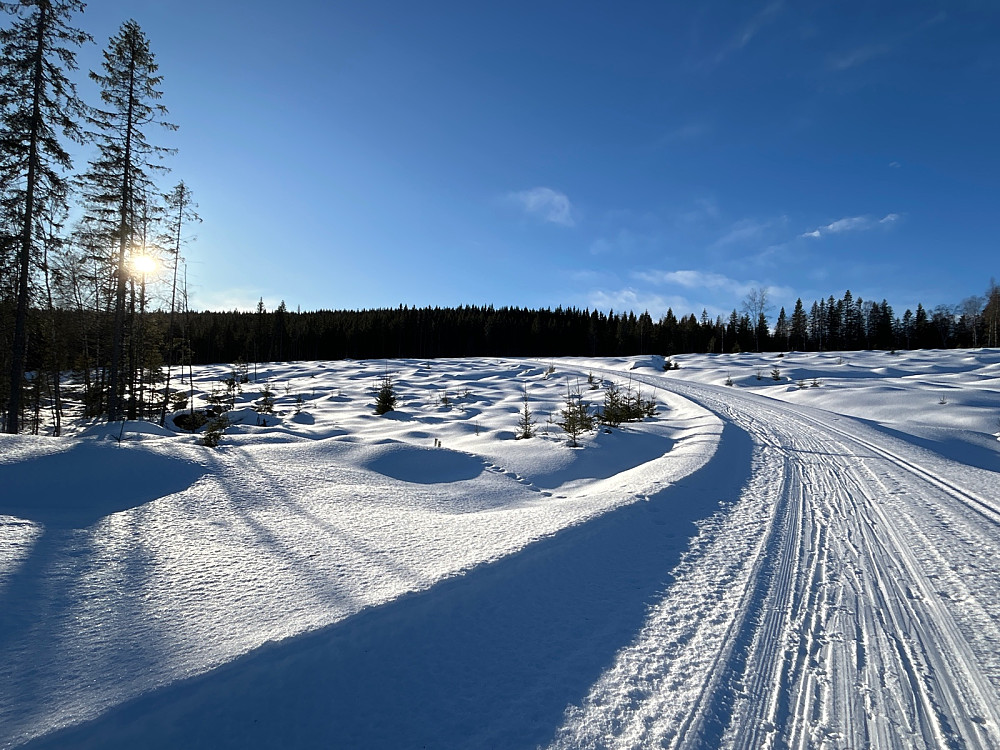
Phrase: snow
(759, 565)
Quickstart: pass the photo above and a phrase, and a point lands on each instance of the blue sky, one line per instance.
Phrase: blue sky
(613, 155)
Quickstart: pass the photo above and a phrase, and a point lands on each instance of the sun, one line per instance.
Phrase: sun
(143, 264)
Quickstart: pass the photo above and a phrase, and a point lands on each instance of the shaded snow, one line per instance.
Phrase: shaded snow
(328, 577)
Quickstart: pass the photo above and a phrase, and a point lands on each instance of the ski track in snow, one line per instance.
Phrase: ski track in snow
(795, 578)
(861, 603)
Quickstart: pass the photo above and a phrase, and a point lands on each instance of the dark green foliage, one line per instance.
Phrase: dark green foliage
(214, 430)
(576, 417)
(191, 421)
(178, 401)
(266, 403)
(385, 396)
(526, 421)
(627, 405)
(470, 331)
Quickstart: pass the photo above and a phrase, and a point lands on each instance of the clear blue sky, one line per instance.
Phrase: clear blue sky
(597, 154)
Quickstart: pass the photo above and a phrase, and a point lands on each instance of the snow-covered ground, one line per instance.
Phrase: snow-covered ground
(807, 561)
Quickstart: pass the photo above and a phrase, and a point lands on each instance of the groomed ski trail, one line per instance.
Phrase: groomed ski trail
(849, 597)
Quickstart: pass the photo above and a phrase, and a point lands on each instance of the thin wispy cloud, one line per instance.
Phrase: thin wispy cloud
(747, 230)
(859, 56)
(763, 17)
(687, 132)
(874, 50)
(546, 204)
(689, 279)
(851, 224)
(749, 30)
(706, 281)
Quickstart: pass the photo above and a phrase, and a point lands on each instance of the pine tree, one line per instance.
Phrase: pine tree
(37, 102)
(385, 395)
(526, 421)
(576, 417)
(991, 315)
(782, 332)
(799, 329)
(120, 175)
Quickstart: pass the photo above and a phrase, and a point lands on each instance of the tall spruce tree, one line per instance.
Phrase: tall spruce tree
(120, 175)
(799, 326)
(38, 104)
(782, 330)
(991, 315)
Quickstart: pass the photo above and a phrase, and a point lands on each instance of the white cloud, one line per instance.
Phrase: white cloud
(623, 300)
(706, 280)
(545, 203)
(231, 299)
(691, 280)
(851, 224)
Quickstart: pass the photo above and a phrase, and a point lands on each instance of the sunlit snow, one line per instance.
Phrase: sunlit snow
(804, 557)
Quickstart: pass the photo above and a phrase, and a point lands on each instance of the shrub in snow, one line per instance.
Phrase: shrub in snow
(191, 421)
(178, 401)
(266, 403)
(775, 374)
(385, 397)
(526, 422)
(625, 406)
(576, 417)
(214, 430)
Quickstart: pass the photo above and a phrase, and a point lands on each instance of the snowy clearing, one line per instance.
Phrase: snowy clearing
(807, 558)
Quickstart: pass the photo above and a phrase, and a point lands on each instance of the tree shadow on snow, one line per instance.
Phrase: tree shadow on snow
(67, 493)
(491, 658)
(80, 486)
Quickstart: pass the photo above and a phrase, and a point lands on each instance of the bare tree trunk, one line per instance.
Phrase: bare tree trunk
(53, 348)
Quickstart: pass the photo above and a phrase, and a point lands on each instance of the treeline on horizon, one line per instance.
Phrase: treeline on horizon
(79, 338)
(847, 323)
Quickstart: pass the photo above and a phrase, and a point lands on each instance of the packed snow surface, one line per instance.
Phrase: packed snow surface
(796, 551)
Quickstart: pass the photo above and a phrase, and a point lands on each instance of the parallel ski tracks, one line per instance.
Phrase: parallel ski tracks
(842, 638)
